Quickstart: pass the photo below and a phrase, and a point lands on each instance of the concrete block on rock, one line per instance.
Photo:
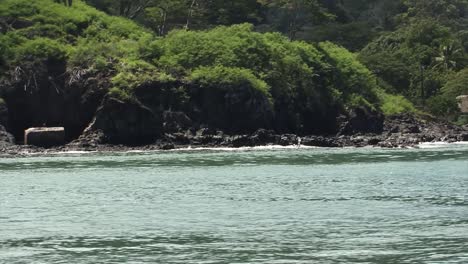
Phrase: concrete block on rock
(463, 103)
(44, 136)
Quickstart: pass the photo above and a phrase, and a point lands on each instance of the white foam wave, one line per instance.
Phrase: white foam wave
(268, 147)
(72, 152)
(428, 145)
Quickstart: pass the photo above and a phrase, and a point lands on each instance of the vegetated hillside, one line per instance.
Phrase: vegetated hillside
(425, 57)
(56, 61)
(69, 66)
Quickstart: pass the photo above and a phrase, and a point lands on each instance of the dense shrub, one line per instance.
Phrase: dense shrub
(416, 60)
(231, 98)
(120, 94)
(458, 85)
(51, 29)
(351, 77)
(133, 73)
(221, 77)
(290, 69)
(41, 48)
(445, 103)
(353, 36)
(395, 104)
(295, 71)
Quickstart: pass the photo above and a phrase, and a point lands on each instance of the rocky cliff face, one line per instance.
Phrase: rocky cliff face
(45, 94)
(362, 120)
(3, 113)
(128, 123)
(6, 139)
(177, 113)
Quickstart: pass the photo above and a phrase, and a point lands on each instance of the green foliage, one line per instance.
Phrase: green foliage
(462, 120)
(90, 53)
(133, 73)
(356, 100)
(303, 78)
(288, 67)
(359, 86)
(120, 94)
(352, 77)
(395, 104)
(444, 10)
(443, 106)
(415, 60)
(236, 46)
(52, 28)
(457, 85)
(241, 11)
(445, 103)
(41, 48)
(291, 16)
(306, 84)
(222, 77)
(270, 57)
(354, 36)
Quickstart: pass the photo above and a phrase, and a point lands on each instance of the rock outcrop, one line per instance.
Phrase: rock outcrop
(176, 122)
(44, 93)
(408, 130)
(125, 122)
(3, 113)
(6, 138)
(232, 109)
(362, 120)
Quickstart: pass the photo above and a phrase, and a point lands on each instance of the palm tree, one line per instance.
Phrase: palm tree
(447, 58)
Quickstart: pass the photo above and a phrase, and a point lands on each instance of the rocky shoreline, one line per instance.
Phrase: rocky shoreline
(402, 131)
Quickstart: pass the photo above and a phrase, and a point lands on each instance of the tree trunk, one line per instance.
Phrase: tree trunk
(190, 14)
(293, 28)
(162, 26)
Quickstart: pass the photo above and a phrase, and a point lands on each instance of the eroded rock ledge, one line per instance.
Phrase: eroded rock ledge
(397, 131)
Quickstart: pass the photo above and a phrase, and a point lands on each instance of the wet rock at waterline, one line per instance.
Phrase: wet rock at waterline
(362, 120)
(6, 138)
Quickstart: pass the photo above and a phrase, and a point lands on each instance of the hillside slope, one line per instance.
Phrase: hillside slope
(80, 68)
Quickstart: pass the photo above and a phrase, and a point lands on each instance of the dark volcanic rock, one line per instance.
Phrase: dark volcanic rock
(363, 120)
(176, 122)
(319, 141)
(240, 141)
(91, 138)
(288, 140)
(126, 123)
(232, 109)
(3, 113)
(463, 137)
(179, 138)
(44, 93)
(167, 146)
(264, 137)
(82, 99)
(5, 137)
